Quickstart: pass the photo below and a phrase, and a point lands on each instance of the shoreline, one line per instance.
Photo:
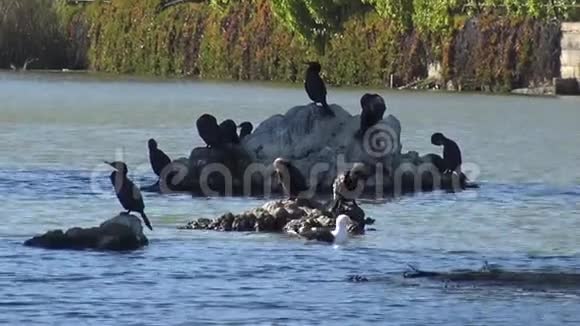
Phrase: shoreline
(547, 90)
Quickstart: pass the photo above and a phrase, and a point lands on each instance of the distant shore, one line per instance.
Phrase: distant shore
(545, 90)
(482, 50)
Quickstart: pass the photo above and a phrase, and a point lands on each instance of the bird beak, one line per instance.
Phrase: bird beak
(111, 164)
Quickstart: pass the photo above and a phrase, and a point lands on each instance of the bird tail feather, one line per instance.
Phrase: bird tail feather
(146, 220)
(327, 108)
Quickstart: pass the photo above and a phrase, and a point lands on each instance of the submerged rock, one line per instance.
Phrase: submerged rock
(288, 216)
(487, 276)
(497, 276)
(120, 233)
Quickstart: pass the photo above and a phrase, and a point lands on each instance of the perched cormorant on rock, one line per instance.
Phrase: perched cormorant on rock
(128, 194)
(228, 132)
(291, 179)
(208, 130)
(451, 152)
(345, 185)
(338, 236)
(315, 87)
(373, 108)
(245, 129)
(158, 159)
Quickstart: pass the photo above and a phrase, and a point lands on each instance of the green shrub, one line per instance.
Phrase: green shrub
(368, 41)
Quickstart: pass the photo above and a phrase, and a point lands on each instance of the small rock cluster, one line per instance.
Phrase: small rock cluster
(120, 233)
(289, 216)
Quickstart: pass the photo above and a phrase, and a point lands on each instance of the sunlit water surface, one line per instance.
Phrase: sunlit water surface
(56, 129)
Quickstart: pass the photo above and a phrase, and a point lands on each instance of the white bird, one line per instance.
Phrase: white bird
(337, 236)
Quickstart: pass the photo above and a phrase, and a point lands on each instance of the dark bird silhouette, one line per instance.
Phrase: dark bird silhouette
(158, 159)
(315, 87)
(228, 132)
(291, 179)
(373, 109)
(209, 130)
(451, 152)
(245, 129)
(348, 185)
(128, 194)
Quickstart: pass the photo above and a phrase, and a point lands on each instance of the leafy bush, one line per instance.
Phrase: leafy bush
(481, 44)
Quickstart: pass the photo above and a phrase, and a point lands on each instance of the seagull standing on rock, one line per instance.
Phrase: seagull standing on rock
(337, 236)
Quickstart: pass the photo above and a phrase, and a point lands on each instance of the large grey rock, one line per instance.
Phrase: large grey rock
(323, 145)
(120, 233)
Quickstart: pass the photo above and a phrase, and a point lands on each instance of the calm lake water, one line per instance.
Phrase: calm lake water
(55, 129)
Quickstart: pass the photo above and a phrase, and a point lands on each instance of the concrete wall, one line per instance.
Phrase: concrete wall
(570, 57)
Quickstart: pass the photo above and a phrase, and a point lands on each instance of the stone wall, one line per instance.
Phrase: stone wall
(570, 57)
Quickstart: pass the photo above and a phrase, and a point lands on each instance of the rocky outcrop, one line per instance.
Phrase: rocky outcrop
(321, 147)
(289, 216)
(120, 233)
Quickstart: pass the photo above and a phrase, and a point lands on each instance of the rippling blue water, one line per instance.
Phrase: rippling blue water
(524, 217)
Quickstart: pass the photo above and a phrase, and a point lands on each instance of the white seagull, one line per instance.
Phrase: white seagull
(337, 236)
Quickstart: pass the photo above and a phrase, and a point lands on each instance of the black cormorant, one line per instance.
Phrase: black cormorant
(373, 108)
(315, 87)
(209, 130)
(128, 194)
(158, 159)
(291, 179)
(245, 129)
(338, 236)
(451, 152)
(228, 132)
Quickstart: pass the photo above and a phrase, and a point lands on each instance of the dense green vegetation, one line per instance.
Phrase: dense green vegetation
(482, 44)
(311, 16)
